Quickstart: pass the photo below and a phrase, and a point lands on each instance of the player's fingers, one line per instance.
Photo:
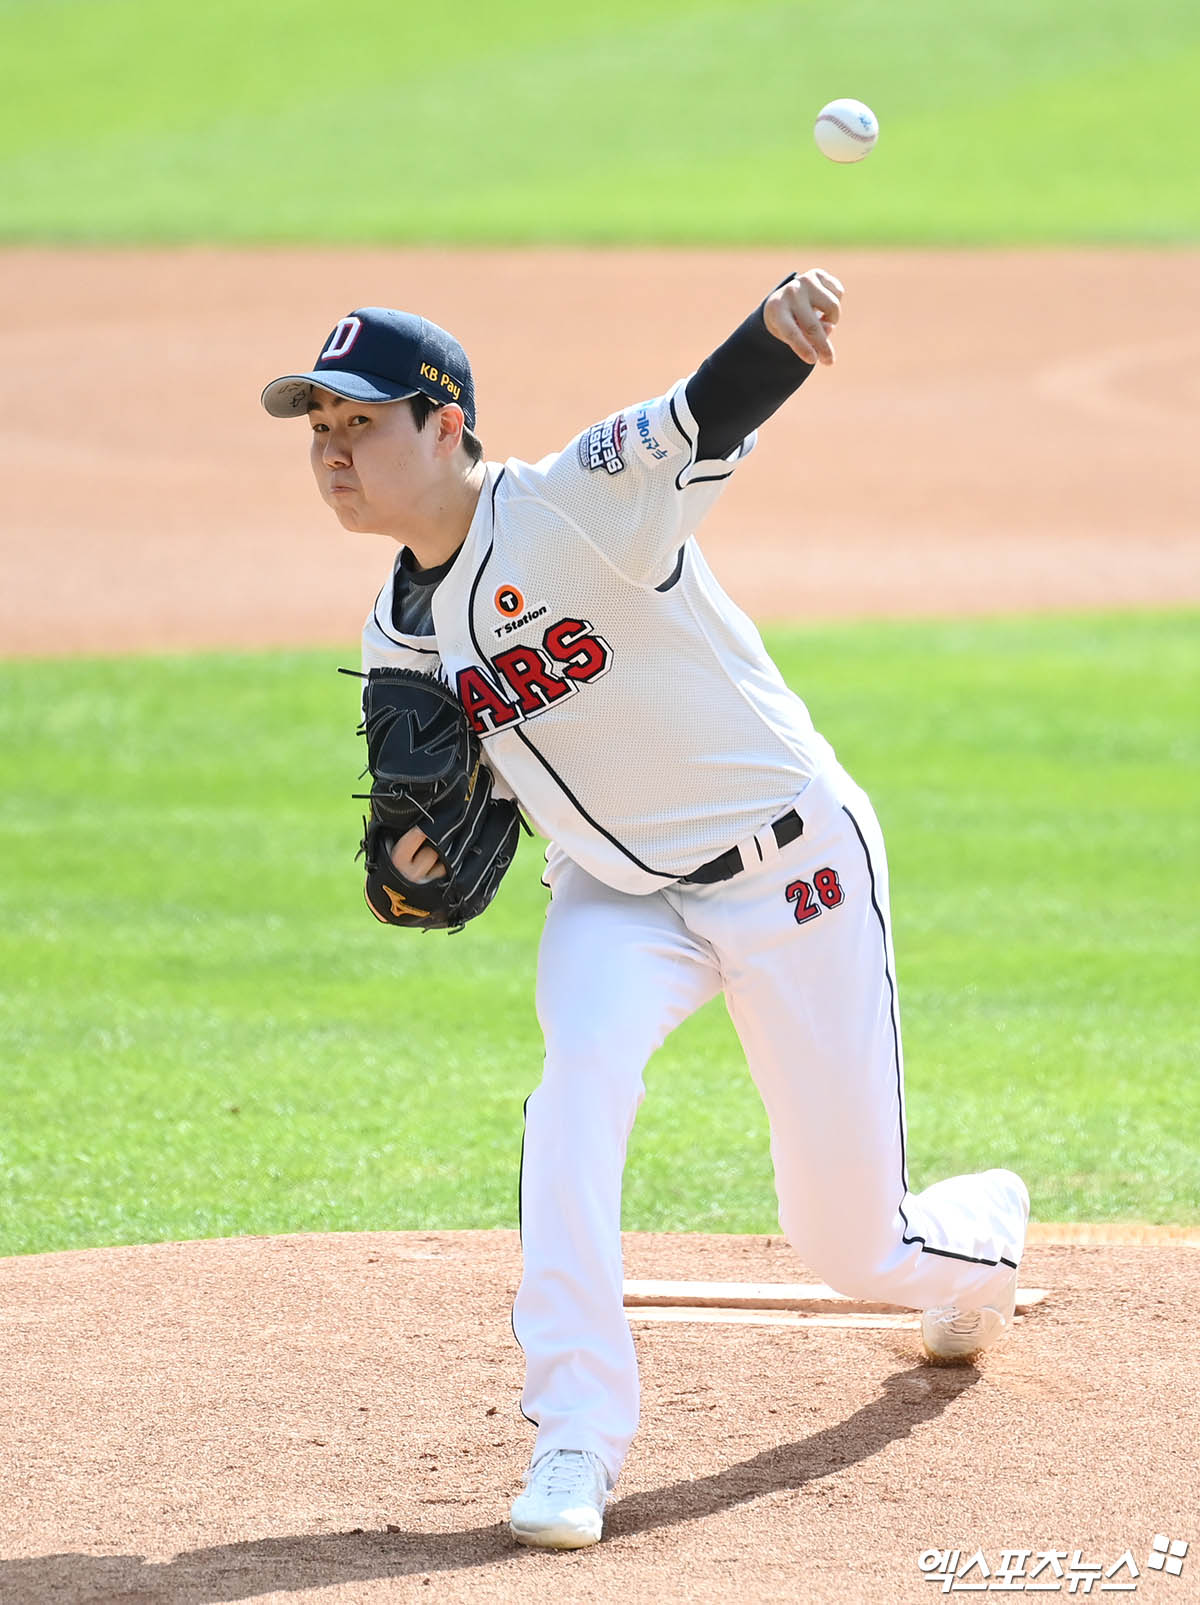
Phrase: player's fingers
(782, 321)
(802, 348)
(791, 317)
(813, 334)
(829, 282)
(822, 291)
(415, 859)
(825, 303)
(406, 847)
(427, 866)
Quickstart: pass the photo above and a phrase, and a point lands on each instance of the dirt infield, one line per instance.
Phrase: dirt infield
(335, 1418)
(1002, 431)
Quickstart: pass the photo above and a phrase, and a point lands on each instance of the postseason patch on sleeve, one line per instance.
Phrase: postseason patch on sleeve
(603, 445)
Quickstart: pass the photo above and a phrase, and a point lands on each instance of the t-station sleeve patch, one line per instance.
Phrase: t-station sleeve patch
(602, 445)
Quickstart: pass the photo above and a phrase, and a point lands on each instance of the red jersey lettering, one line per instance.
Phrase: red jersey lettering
(485, 707)
(529, 674)
(581, 656)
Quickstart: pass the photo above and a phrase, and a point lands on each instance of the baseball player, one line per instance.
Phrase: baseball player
(703, 839)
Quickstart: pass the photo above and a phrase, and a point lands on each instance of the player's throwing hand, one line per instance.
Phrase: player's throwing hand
(802, 312)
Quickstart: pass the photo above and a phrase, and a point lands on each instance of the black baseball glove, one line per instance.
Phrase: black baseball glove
(427, 770)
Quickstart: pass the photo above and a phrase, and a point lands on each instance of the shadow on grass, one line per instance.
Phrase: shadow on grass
(229, 1572)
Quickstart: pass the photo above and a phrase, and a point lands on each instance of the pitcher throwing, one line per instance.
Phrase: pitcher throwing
(704, 839)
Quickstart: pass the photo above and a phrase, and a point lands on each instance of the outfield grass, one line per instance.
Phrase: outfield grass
(688, 121)
(204, 1033)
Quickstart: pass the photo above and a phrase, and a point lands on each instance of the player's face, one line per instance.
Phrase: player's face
(372, 465)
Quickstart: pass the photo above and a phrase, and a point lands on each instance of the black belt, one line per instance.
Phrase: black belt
(729, 863)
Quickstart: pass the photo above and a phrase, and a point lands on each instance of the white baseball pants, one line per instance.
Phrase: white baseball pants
(812, 996)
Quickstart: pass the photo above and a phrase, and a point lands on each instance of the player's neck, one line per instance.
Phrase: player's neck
(435, 531)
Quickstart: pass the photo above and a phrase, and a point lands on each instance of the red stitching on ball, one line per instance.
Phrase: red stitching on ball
(827, 117)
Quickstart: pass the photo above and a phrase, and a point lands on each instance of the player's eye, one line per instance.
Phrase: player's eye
(360, 418)
(317, 428)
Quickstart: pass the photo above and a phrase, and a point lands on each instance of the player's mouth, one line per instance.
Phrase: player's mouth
(337, 488)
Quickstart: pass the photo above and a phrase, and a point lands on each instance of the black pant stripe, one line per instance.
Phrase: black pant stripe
(520, 1177)
(909, 1235)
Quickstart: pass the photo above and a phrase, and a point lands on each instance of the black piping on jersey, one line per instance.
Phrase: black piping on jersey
(485, 663)
(909, 1236)
(676, 572)
(701, 479)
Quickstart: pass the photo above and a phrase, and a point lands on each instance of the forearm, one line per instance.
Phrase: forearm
(743, 382)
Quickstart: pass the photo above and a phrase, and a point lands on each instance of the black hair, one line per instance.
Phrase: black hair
(423, 410)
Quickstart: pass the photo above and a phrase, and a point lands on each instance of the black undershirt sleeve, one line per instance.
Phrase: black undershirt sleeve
(741, 384)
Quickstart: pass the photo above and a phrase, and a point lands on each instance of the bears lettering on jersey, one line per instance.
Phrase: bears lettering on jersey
(582, 656)
(530, 672)
(528, 679)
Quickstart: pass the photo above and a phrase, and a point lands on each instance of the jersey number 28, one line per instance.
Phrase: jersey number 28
(824, 891)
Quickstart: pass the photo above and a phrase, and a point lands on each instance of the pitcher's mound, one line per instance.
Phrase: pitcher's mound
(265, 1418)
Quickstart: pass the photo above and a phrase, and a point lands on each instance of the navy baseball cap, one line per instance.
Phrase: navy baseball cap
(377, 354)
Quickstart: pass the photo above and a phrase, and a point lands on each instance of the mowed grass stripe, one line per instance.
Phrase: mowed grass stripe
(270, 120)
(205, 1034)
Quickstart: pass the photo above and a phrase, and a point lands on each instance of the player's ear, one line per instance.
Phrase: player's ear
(450, 421)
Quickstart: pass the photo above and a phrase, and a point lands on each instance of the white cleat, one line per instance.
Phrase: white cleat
(954, 1336)
(563, 1503)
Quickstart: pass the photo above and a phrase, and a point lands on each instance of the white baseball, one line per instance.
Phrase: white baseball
(846, 130)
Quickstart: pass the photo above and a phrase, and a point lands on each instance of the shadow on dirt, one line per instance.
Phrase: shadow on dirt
(909, 1398)
(309, 1561)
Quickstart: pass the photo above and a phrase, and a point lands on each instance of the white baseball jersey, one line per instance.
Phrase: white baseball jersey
(627, 702)
(633, 711)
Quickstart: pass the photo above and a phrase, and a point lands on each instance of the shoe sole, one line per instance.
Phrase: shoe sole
(555, 1537)
(989, 1334)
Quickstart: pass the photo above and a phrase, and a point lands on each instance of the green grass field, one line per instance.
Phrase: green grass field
(281, 120)
(205, 1034)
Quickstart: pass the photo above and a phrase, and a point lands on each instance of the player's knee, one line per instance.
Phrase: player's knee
(584, 1051)
(583, 1114)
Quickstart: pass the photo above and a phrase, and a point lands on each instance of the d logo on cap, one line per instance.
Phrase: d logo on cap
(342, 338)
